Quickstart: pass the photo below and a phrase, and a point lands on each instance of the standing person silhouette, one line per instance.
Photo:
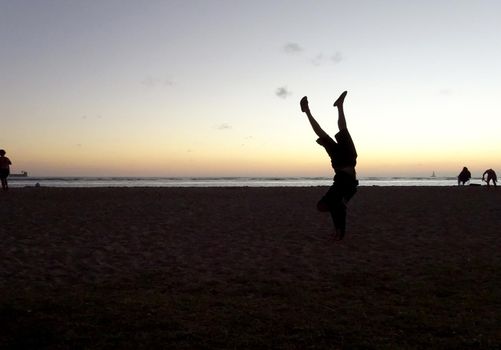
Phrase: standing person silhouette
(491, 175)
(343, 157)
(4, 169)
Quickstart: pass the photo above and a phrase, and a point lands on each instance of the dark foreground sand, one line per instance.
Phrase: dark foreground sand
(243, 268)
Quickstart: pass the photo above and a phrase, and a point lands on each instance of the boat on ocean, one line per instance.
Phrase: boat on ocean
(433, 174)
(22, 174)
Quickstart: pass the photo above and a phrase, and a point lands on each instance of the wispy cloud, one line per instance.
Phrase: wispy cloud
(318, 59)
(445, 92)
(90, 117)
(321, 58)
(337, 57)
(282, 92)
(224, 126)
(293, 48)
(156, 82)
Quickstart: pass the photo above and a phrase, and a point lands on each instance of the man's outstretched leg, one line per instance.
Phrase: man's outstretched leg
(340, 100)
(341, 121)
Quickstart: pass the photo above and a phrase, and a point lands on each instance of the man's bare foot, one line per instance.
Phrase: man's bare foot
(304, 104)
(340, 99)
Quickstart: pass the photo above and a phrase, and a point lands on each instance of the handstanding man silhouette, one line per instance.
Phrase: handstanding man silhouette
(343, 159)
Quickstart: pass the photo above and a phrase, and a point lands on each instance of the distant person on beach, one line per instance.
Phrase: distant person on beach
(491, 175)
(343, 159)
(464, 176)
(4, 169)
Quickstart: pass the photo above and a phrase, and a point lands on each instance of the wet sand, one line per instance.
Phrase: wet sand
(249, 268)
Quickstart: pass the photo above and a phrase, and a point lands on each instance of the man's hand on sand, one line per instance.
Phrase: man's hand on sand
(304, 105)
(338, 235)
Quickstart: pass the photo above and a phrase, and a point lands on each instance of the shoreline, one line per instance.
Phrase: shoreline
(225, 181)
(247, 186)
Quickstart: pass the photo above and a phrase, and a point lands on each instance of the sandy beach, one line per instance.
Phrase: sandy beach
(239, 268)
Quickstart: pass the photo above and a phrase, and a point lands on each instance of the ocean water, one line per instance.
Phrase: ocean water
(222, 181)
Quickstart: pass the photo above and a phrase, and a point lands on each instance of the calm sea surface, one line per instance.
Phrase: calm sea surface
(223, 181)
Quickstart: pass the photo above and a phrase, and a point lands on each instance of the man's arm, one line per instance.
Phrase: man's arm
(316, 127)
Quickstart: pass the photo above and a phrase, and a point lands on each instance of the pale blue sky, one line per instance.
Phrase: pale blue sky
(212, 87)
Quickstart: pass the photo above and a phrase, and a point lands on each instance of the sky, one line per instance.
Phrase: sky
(212, 88)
